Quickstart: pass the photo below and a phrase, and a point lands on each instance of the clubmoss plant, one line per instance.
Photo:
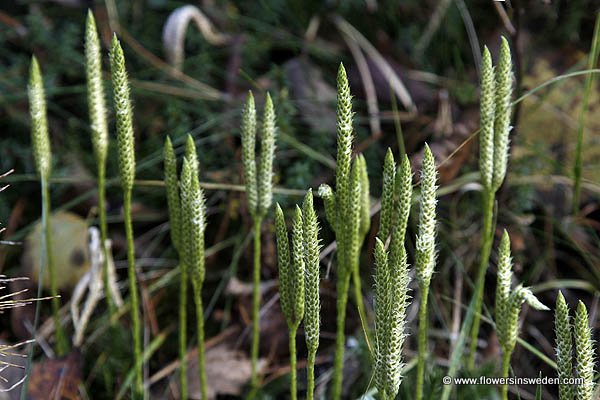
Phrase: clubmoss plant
(344, 214)
(584, 350)
(174, 206)
(43, 163)
(126, 150)
(495, 115)
(193, 226)
(258, 178)
(425, 256)
(391, 279)
(99, 128)
(564, 348)
(291, 277)
(312, 302)
(508, 306)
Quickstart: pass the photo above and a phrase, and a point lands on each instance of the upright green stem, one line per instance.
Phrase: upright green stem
(201, 352)
(422, 349)
(505, 368)
(256, 302)
(293, 385)
(340, 339)
(486, 248)
(593, 59)
(61, 340)
(183, 330)
(104, 238)
(310, 378)
(137, 344)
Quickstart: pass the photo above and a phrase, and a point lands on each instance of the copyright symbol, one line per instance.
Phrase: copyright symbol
(447, 380)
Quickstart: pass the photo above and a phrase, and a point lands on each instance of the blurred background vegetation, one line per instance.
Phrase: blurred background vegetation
(292, 49)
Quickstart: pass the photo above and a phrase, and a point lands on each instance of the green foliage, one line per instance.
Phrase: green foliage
(564, 348)
(193, 226)
(299, 282)
(584, 349)
(495, 114)
(347, 212)
(425, 255)
(508, 306)
(126, 150)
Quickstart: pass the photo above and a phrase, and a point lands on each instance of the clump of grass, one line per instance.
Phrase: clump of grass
(258, 177)
(495, 115)
(99, 128)
(345, 211)
(126, 150)
(425, 256)
(391, 278)
(43, 163)
(508, 306)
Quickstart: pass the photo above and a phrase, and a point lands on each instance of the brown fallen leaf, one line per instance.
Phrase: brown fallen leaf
(227, 371)
(56, 379)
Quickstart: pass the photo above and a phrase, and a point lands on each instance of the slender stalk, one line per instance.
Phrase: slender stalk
(201, 351)
(425, 254)
(137, 344)
(183, 331)
(256, 302)
(104, 238)
(61, 340)
(356, 282)
(505, 368)
(422, 344)
(340, 339)
(593, 59)
(293, 378)
(310, 378)
(486, 249)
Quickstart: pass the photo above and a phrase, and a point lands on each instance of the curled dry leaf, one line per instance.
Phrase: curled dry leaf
(227, 372)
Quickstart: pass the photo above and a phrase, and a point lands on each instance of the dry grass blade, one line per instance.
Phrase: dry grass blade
(175, 28)
(394, 80)
(368, 85)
